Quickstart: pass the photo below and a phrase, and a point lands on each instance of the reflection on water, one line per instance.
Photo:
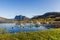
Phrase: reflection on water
(17, 28)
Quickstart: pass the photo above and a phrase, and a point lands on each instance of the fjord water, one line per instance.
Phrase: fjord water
(11, 28)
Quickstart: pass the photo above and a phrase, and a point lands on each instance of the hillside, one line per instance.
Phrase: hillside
(53, 34)
(48, 14)
(1, 18)
(5, 20)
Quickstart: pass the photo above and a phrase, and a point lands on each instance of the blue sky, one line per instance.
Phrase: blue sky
(29, 8)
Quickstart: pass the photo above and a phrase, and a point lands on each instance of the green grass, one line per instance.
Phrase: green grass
(53, 34)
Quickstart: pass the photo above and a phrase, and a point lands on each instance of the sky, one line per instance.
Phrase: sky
(29, 8)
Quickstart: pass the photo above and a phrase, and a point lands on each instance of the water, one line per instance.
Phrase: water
(11, 28)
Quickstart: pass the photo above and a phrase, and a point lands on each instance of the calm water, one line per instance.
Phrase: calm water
(17, 28)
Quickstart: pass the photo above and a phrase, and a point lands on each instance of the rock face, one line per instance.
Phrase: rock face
(20, 17)
(49, 14)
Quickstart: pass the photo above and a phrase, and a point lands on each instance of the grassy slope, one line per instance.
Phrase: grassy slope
(53, 34)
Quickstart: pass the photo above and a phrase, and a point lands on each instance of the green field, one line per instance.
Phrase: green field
(53, 34)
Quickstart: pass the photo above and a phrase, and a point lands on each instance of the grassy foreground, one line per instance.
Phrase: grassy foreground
(53, 34)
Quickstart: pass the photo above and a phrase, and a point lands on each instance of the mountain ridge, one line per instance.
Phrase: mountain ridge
(48, 14)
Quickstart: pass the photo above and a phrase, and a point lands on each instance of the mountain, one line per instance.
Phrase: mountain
(48, 14)
(5, 20)
(20, 17)
(1, 18)
(52, 14)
